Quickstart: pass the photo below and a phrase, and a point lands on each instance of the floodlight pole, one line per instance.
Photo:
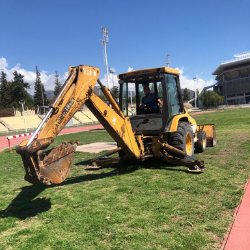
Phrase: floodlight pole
(131, 105)
(42, 96)
(195, 92)
(168, 60)
(112, 71)
(106, 63)
(22, 103)
(104, 41)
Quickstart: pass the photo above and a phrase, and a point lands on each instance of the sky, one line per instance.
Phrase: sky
(56, 34)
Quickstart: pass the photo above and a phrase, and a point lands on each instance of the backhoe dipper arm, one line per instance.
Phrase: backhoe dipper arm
(54, 167)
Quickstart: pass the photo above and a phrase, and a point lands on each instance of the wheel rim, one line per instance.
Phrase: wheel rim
(189, 145)
(204, 142)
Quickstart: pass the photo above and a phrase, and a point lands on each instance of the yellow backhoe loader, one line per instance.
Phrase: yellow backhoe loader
(141, 129)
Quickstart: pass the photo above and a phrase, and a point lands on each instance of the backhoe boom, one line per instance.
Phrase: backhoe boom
(77, 90)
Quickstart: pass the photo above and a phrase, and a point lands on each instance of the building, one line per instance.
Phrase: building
(233, 79)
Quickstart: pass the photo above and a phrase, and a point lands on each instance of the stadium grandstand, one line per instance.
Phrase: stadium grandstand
(233, 79)
(17, 122)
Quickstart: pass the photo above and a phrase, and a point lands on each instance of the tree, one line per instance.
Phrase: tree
(58, 85)
(14, 91)
(115, 92)
(186, 95)
(5, 94)
(19, 92)
(40, 97)
(211, 98)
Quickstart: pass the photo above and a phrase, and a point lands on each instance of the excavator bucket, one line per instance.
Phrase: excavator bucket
(211, 134)
(48, 167)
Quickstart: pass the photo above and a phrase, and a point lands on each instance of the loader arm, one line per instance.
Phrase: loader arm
(53, 166)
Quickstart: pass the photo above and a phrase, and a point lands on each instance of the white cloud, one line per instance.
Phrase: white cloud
(30, 76)
(113, 80)
(49, 79)
(3, 63)
(185, 81)
(190, 83)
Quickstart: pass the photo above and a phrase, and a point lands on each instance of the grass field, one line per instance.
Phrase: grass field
(149, 205)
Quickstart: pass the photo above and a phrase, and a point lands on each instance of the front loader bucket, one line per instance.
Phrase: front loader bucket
(48, 167)
(211, 134)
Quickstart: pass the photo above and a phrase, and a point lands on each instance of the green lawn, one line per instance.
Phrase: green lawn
(150, 205)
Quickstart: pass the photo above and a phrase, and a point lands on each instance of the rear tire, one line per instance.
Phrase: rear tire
(201, 144)
(183, 138)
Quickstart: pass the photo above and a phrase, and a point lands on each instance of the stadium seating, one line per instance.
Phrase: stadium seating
(75, 122)
(85, 117)
(17, 122)
(3, 128)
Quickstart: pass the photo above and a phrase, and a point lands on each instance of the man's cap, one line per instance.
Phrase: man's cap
(146, 87)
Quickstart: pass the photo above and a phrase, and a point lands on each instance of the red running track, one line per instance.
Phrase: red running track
(15, 141)
(237, 237)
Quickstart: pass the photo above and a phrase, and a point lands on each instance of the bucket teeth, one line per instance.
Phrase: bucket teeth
(58, 152)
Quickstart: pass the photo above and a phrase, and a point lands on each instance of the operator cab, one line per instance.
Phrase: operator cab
(150, 113)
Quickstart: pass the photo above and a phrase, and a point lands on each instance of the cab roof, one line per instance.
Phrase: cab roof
(145, 72)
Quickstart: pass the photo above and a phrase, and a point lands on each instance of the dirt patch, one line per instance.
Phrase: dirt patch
(97, 147)
(202, 112)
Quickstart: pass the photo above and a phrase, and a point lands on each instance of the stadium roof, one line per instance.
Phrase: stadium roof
(240, 60)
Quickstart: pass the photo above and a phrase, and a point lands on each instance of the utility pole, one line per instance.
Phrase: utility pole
(42, 97)
(168, 60)
(112, 71)
(104, 41)
(22, 103)
(195, 93)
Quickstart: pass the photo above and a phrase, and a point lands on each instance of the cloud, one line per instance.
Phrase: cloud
(3, 63)
(48, 80)
(185, 81)
(113, 80)
(190, 83)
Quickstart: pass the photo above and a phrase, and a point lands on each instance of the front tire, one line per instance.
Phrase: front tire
(201, 144)
(183, 138)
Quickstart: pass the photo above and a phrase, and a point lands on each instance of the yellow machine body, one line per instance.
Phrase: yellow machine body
(135, 137)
